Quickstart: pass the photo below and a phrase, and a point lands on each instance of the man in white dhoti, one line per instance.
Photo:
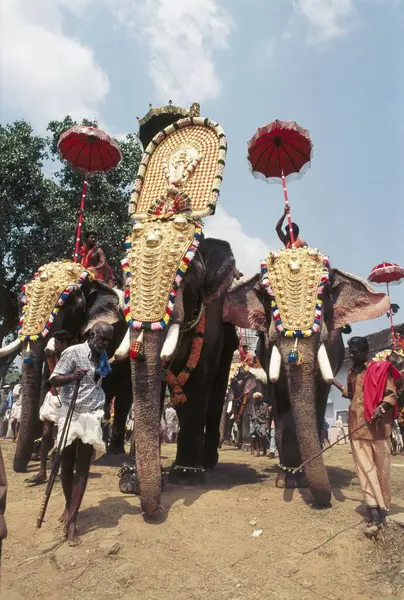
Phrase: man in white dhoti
(87, 363)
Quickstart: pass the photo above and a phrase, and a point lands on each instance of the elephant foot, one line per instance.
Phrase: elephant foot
(179, 475)
(289, 480)
(20, 466)
(117, 446)
(210, 459)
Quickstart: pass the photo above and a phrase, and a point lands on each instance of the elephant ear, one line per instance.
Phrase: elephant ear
(354, 299)
(243, 305)
(220, 268)
(103, 304)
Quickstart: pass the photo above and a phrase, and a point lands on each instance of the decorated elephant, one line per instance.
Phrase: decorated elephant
(62, 296)
(176, 280)
(299, 306)
(199, 348)
(244, 382)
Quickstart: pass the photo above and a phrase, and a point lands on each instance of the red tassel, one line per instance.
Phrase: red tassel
(137, 348)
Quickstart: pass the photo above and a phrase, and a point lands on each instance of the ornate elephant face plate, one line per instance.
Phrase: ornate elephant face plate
(296, 278)
(45, 294)
(159, 253)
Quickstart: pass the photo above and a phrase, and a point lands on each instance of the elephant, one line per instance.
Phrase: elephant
(86, 303)
(243, 384)
(300, 388)
(197, 312)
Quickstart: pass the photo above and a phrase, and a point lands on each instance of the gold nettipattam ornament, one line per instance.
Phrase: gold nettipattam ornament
(45, 294)
(295, 279)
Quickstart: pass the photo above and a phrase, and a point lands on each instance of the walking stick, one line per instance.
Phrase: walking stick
(58, 457)
(325, 449)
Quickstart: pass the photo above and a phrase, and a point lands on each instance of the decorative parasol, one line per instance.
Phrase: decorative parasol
(280, 152)
(90, 150)
(389, 274)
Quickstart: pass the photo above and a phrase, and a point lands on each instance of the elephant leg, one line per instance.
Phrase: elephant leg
(123, 402)
(31, 391)
(46, 446)
(289, 454)
(239, 443)
(188, 466)
(216, 399)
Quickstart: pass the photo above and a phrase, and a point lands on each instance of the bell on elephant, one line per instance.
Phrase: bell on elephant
(28, 355)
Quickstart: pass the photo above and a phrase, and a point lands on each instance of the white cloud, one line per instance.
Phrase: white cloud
(328, 19)
(44, 73)
(248, 250)
(182, 36)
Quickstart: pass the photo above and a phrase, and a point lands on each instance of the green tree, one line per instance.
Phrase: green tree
(39, 207)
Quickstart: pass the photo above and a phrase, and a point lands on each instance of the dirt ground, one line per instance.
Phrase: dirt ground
(204, 547)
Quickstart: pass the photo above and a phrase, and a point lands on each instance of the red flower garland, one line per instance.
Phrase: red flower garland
(176, 383)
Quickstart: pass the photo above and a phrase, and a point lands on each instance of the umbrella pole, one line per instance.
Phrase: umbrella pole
(393, 332)
(80, 219)
(285, 194)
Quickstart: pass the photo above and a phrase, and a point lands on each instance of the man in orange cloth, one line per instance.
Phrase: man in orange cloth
(285, 237)
(372, 392)
(93, 258)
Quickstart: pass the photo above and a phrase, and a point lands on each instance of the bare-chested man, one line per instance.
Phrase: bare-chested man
(93, 257)
(87, 363)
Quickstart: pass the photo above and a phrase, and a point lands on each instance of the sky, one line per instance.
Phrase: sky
(334, 66)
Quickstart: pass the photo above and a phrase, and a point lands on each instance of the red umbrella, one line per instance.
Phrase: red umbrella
(90, 150)
(389, 274)
(279, 152)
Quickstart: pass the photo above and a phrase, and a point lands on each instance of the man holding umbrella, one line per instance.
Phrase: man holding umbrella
(285, 237)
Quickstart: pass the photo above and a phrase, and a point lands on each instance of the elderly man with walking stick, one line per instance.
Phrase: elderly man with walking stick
(79, 373)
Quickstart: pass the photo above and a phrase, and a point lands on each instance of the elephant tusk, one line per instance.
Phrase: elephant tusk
(50, 346)
(229, 407)
(123, 351)
(171, 341)
(10, 348)
(274, 365)
(325, 366)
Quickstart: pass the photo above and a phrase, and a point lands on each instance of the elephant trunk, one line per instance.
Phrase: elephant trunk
(30, 395)
(146, 386)
(302, 393)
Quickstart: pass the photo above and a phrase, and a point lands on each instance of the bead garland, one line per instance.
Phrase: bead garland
(289, 469)
(176, 382)
(188, 469)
